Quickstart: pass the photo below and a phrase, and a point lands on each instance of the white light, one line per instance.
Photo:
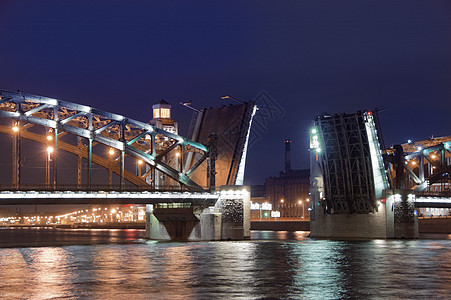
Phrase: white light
(15, 128)
(111, 152)
(53, 102)
(419, 148)
(409, 141)
(50, 149)
(314, 130)
(140, 162)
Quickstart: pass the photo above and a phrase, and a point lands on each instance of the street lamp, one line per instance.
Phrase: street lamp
(138, 166)
(47, 165)
(110, 174)
(300, 203)
(282, 211)
(230, 97)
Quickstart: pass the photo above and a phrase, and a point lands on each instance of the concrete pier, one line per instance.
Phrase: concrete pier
(395, 218)
(227, 219)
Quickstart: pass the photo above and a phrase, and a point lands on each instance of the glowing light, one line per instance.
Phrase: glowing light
(140, 162)
(15, 128)
(300, 202)
(414, 162)
(113, 211)
(177, 154)
(314, 130)
(308, 200)
(111, 152)
(419, 148)
(409, 141)
(50, 150)
(281, 200)
(49, 137)
(318, 150)
(433, 156)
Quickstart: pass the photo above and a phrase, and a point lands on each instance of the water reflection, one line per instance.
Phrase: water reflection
(271, 265)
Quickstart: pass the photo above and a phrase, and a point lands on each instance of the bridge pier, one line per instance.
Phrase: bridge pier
(402, 221)
(395, 218)
(227, 219)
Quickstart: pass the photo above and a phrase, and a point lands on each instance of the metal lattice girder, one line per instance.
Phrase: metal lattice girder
(345, 161)
(134, 138)
(421, 152)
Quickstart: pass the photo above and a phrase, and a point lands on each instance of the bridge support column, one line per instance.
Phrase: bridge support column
(402, 221)
(227, 219)
(395, 218)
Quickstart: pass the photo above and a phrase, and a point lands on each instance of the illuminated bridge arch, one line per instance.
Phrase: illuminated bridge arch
(424, 166)
(152, 145)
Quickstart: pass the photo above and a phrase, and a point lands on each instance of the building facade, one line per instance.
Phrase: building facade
(289, 193)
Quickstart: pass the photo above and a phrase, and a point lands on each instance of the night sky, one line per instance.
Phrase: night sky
(309, 56)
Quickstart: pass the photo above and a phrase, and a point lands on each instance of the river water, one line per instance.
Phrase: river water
(119, 264)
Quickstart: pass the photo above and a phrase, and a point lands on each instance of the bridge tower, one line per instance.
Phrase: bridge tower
(349, 187)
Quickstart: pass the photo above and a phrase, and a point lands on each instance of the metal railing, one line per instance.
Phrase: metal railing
(94, 188)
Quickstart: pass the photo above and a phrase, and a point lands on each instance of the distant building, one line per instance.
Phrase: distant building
(288, 193)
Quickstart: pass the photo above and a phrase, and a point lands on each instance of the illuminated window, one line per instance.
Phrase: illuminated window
(156, 113)
(165, 113)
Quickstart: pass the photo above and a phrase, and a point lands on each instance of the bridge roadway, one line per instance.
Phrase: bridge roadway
(433, 201)
(60, 197)
(31, 195)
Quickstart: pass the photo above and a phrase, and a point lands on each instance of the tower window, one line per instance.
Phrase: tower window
(164, 113)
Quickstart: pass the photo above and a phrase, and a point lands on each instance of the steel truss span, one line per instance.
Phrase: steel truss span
(133, 138)
(423, 166)
(348, 153)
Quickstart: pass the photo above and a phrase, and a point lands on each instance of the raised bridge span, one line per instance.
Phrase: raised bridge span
(151, 165)
(360, 189)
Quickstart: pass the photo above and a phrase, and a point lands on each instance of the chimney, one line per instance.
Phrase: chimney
(287, 155)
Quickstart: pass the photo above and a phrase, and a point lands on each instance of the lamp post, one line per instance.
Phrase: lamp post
(233, 98)
(16, 155)
(47, 166)
(281, 208)
(138, 166)
(110, 174)
(302, 204)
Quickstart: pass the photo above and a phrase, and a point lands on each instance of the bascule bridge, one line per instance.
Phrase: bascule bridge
(192, 187)
(360, 189)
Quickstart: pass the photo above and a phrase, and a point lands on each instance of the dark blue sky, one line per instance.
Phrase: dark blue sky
(310, 56)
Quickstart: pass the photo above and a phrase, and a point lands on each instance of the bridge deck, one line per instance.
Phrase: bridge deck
(104, 197)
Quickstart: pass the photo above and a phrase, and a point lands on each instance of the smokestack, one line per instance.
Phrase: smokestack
(287, 155)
